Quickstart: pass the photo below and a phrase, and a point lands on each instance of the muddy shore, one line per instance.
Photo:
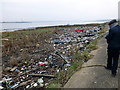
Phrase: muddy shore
(46, 56)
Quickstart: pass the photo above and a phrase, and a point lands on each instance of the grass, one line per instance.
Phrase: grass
(20, 33)
(56, 85)
(92, 45)
(26, 40)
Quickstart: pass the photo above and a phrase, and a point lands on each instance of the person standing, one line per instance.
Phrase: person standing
(113, 50)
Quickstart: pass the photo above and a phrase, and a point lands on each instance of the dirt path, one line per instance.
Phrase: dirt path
(94, 75)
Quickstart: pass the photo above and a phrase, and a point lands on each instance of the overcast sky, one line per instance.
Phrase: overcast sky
(52, 10)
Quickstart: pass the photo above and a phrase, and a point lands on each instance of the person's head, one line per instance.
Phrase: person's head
(112, 22)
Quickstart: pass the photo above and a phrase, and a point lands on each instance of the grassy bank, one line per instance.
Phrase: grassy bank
(21, 44)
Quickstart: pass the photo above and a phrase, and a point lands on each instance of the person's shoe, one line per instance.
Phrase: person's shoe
(113, 74)
(108, 68)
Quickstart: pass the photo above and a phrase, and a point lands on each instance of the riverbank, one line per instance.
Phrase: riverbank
(58, 51)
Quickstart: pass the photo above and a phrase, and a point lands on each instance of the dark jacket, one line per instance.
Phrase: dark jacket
(113, 38)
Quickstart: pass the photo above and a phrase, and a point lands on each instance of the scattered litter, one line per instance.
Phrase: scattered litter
(48, 59)
(42, 75)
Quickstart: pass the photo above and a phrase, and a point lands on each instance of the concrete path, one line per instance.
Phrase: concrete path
(0, 57)
(0, 62)
(93, 74)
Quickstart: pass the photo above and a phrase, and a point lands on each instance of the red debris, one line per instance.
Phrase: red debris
(79, 30)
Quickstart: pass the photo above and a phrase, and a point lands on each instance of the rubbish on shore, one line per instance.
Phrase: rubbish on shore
(79, 30)
(58, 70)
(15, 85)
(67, 65)
(40, 81)
(41, 72)
(35, 85)
(63, 57)
(53, 56)
(58, 42)
(41, 63)
(4, 39)
(5, 80)
(24, 83)
(42, 75)
(27, 86)
(13, 69)
(1, 87)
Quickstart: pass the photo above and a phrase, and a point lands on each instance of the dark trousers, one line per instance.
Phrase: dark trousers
(112, 61)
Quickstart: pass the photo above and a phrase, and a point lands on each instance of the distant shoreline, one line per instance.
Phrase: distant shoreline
(49, 26)
(15, 22)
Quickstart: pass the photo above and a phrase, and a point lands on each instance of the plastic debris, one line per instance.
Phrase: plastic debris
(55, 55)
(35, 85)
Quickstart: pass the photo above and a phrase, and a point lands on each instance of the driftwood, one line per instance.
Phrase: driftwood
(13, 69)
(62, 58)
(25, 83)
(42, 75)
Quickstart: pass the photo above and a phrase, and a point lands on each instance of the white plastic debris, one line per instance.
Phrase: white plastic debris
(58, 70)
(46, 63)
(35, 85)
(41, 85)
(46, 84)
(40, 81)
(67, 65)
(27, 86)
(95, 82)
(1, 87)
(15, 85)
(66, 69)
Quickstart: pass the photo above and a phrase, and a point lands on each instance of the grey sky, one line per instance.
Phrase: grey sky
(51, 10)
